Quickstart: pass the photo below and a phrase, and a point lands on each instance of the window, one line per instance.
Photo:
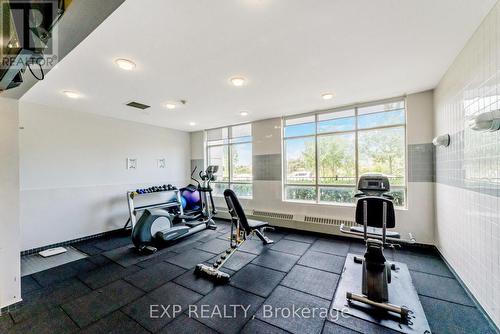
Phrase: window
(324, 154)
(230, 148)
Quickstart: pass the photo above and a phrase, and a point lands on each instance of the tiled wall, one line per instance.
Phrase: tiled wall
(421, 163)
(468, 171)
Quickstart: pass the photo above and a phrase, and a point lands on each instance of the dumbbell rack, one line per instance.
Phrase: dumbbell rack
(173, 201)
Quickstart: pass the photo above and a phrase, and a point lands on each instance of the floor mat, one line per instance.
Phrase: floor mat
(34, 263)
(401, 293)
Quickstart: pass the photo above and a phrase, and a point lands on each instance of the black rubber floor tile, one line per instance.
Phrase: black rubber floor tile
(230, 302)
(149, 314)
(43, 300)
(204, 236)
(88, 247)
(215, 246)
(155, 276)
(185, 325)
(331, 246)
(99, 260)
(6, 323)
(323, 261)
(276, 260)
(239, 260)
(441, 288)
(106, 274)
(113, 242)
(126, 255)
(291, 247)
(63, 272)
(54, 321)
(426, 264)
(193, 282)
(253, 246)
(98, 303)
(285, 298)
(174, 294)
(445, 317)
(258, 280)
(28, 284)
(184, 245)
(190, 258)
(158, 258)
(302, 237)
(331, 328)
(257, 326)
(313, 281)
(115, 323)
(359, 326)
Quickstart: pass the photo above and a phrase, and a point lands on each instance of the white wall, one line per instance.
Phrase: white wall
(468, 171)
(10, 287)
(267, 196)
(73, 175)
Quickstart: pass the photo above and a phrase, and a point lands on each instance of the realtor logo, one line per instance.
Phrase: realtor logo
(29, 28)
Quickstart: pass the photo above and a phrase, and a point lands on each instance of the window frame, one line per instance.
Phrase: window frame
(316, 184)
(229, 145)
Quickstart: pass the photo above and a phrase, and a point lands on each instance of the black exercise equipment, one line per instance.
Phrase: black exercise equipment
(164, 222)
(206, 209)
(375, 211)
(241, 229)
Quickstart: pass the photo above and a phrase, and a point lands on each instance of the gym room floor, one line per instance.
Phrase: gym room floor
(111, 291)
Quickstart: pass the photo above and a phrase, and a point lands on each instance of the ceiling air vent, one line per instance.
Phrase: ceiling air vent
(138, 105)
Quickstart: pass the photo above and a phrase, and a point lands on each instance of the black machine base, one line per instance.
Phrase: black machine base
(401, 293)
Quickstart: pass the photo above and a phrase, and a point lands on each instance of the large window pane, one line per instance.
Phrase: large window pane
(303, 126)
(381, 119)
(336, 194)
(337, 159)
(242, 189)
(241, 162)
(383, 151)
(300, 160)
(300, 193)
(218, 188)
(381, 107)
(343, 120)
(219, 155)
(399, 195)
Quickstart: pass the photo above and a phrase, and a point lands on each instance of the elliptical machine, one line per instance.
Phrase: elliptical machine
(197, 201)
(163, 223)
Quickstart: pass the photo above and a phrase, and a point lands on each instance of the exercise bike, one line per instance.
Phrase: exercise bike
(163, 223)
(375, 211)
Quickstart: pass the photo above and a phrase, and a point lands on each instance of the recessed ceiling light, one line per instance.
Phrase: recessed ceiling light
(71, 94)
(238, 81)
(125, 64)
(327, 96)
(244, 113)
(170, 105)
(192, 123)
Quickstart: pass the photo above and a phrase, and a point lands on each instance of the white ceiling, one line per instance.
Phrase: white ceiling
(290, 51)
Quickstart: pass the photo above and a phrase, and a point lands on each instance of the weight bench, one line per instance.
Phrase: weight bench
(241, 228)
